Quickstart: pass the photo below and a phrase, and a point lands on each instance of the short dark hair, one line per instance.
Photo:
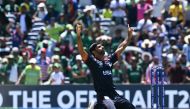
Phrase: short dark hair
(93, 47)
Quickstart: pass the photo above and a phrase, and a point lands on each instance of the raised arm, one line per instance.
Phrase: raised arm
(82, 52)
(124, 44)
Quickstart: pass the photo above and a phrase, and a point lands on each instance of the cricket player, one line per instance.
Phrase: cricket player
(100, 66)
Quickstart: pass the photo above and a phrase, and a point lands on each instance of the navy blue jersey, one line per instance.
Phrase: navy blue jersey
(102, 74)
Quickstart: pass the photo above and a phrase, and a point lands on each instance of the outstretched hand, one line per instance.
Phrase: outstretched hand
(126, 42)
(130, 32)
(78, 29)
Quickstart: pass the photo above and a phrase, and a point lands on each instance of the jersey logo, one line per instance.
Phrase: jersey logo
(107, 72)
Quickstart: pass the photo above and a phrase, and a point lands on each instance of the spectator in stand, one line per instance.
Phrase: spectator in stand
(43, 61)
(146, 60)
(16, 54)
(62, 19)
(70, 9)
(173, 29)
(87, 38)
(86, 17)
(187, 78)
(147, 46)
(54, 59)
(168, 45)
(57, 51)
(69, 36)
(177, 73)
(65, 49)
(154, 63)
(182, 58)
(43, 35)
(142, 7)
(11, 27)
(145, 24)
(57, 4)
(17, 36)
(3, 23)
(173, 56)
(107, 12)
(118, 7)
(41, 11)
(51, 13)
(57, 77)
(80, 71)
(66, 65)
(24, 63)
(154, 33)
(28, 49)
(159, 46)
(149, 2)
(165, 63)
(186, 48)
(117, 73)
(122, 67)
(25, 20)
(29, 6)
(96, 30)
(4, 50)
(11, 7)
(12, 70)
(135, 74)
(176, 10)
(130, 1)
(158, 8)
(187, 13)
(117, 38)
(48, 44)
(31, 73)
(160, 25)
(3, 71)
(1, 62)
(100, 5)
(54, 29)
(132, 13)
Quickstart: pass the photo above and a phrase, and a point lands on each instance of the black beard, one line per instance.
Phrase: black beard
(102, 52)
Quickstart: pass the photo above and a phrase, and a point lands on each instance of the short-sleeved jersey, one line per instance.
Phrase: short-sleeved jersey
(76, 70)
(176, 11)
(32, 76)
(135, 74)
(102, 74)
(57, 77)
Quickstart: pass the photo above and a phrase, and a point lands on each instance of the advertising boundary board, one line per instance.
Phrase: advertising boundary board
(78, 96)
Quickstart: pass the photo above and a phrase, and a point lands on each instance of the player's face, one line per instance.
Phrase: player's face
(100, 49)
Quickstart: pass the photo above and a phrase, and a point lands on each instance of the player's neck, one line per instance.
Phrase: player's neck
(100, 57)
